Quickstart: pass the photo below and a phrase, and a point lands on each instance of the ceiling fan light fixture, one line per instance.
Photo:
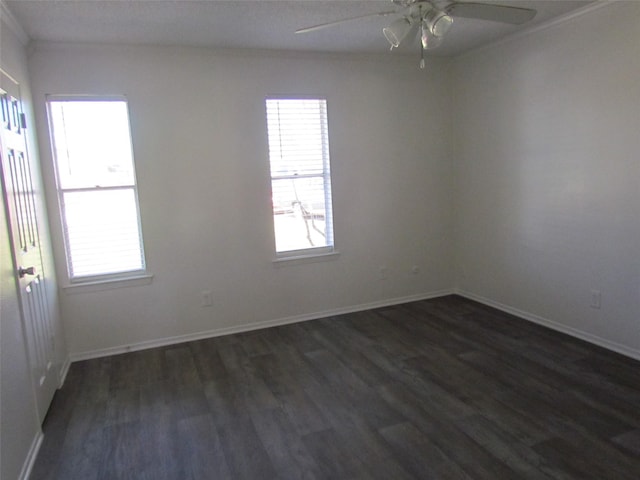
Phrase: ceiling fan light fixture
(428, 39)
(438, 22)
(397, 31)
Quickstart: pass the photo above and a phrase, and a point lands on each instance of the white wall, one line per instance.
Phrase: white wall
(19, 424)
(545, 190)
(547, 175)
(199, 135)
(542, 181)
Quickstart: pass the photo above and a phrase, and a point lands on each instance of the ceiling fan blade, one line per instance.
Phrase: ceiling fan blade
(496, 13)
(343, 20)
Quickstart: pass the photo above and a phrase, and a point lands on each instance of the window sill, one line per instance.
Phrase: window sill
(108, 284)
(304, 259)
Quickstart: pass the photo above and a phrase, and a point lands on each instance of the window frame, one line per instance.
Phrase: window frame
(136, 276)
(311, 254)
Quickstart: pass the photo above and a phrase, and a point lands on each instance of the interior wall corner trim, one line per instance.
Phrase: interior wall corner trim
(7, 17)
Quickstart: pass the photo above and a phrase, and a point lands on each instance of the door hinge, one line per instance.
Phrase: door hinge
(23, 120)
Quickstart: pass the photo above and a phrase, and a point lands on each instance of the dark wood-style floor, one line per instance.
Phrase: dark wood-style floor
(438, 389)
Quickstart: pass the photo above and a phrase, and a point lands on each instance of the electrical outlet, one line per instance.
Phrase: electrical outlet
(384, 272)
(206, 298)
(596, 299)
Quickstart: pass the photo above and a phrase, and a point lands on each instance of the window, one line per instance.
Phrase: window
(300, 175)
(96, 184)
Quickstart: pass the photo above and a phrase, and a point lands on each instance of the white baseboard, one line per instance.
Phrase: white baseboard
(64, 369)
(105, 352)
(574, 332)
(31, 456)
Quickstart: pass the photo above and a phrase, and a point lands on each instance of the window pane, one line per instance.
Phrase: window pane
(102, 232)
(300, 179)
(96, 185)
(299, 212)
(92, 143)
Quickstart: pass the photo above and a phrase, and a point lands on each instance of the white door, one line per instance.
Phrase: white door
(22, 214)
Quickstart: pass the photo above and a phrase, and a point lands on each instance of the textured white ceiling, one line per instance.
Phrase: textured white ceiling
(265, 24)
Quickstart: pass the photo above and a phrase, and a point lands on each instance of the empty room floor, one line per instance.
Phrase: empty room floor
(437, 389)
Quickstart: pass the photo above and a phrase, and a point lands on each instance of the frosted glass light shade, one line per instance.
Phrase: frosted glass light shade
(428, 39)
(438, 23)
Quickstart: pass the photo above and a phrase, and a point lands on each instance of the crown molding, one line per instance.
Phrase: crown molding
(7, 17)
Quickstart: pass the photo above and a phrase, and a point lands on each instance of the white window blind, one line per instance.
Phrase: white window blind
(96, 183)
(300, 174)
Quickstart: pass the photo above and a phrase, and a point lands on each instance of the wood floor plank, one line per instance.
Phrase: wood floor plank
(352, 392)
(358, 433)
(509, 420)
(199, 449)
(284, 446)
(577, 462)
(244, 451)
(335, 338)
(419, 455)
(254, 343)
(125, 454)
(161, 441)
(467, 454)
(518, 456)
(180, 368)
(207, 360)
(444, 388)
(332, 456)
(133, 369)
(225, 401)
(302, 413)
(84, 438)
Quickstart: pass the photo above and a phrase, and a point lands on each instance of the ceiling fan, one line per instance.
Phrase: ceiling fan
(434, 18)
